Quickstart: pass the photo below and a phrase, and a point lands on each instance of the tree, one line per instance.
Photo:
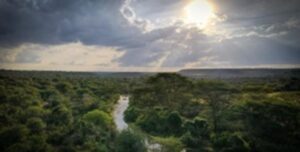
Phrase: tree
(230, 142)
(216, 104)
(197, 134)
(131, 114)
(174, 123)
(36, 125)
(197, 127)
(61, 115)
(13, 135)
(38, 143)
(98, 117)
(169, 88)
(129, 142)
(63, 87)
(216, 94)
(273, 125)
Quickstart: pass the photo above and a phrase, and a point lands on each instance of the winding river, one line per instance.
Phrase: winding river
(118, 115)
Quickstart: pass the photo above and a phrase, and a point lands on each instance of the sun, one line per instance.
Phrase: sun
(198, 12)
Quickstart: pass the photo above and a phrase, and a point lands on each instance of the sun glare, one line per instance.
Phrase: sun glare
(198, 12)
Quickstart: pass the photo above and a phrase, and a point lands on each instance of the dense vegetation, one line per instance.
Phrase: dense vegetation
(56, 111)
(211, 115)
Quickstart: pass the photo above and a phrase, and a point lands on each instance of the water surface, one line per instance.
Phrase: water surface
(118, 113)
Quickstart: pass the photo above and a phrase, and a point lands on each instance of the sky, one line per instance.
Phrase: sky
(148, 35)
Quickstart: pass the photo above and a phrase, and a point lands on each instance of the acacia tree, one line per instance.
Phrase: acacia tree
(216, 94)
(217, 104)
(169, 88)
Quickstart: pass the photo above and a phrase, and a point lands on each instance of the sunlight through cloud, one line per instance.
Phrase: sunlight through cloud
(198, 12)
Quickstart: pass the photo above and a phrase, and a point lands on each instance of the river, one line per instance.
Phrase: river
(118, 116)
(118, 113)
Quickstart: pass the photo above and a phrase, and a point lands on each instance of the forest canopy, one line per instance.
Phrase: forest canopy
(73, 112)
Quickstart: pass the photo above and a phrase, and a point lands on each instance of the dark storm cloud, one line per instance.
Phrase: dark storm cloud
(92, 22)
(60, 21)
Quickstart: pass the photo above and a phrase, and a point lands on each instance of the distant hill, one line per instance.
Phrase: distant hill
(239, 73)
(13, 73)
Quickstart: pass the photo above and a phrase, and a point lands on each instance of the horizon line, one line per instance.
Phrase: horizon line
(150, 71)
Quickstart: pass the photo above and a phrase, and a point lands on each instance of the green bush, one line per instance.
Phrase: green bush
(230, 142)
(174, 123)
(131, 114)
(273, 124)
(197, 127)
(98, 117)
(151, 122)
(36, 125)
(61, 115)
(129, 142)
(38, 143)
(160, 122)
(196, 136)
(55, 109)
(13, 135)
(189, 140)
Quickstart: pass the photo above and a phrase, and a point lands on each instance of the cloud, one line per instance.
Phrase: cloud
(168, 48)
(256, 11)
(241, 51)
(95, 22)
(129, 14)
(122, 34)
(69, 54)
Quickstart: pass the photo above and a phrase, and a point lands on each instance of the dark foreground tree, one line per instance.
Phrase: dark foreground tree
(129, 142)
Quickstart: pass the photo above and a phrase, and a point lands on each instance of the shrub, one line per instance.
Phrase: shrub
(129, 142)
(197, 127)
(230, 142)
(13, 135)
(196, 135)
(131, 114)
(98, 117)
(36, 125)
(272, 124)
(174, 123)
